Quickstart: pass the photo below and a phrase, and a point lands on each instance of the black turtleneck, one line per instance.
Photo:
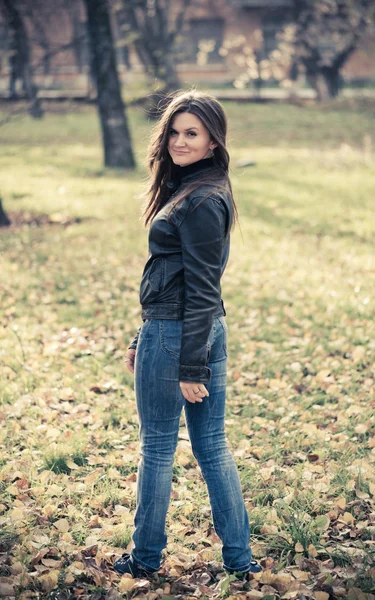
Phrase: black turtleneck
(179, 173)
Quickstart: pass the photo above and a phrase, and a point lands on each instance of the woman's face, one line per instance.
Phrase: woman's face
(189, 140)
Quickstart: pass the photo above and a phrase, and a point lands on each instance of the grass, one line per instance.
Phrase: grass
(299, 292)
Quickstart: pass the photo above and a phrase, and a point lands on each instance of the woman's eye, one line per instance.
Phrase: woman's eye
(172, 132)
(192, 133)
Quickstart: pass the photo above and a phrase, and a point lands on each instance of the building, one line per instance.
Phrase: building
(217, 39)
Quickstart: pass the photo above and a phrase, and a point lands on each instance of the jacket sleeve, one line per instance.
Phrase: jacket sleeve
(133, 345)
(202, 233)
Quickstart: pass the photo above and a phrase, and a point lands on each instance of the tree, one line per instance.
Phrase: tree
(115, 132)
(326, 33)
(153, 32)
(4, 219)
(20, 62)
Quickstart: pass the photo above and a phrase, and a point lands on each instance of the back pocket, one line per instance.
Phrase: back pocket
(170, 333)
(219, 347)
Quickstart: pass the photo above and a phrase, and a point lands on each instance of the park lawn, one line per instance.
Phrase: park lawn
(299, 291)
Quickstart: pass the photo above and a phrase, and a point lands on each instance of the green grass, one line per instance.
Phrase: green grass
(299, 292)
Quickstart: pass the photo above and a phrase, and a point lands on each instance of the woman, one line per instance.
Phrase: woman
(180, 352)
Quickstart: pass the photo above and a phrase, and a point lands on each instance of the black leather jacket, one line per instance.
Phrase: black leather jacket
(188, 255)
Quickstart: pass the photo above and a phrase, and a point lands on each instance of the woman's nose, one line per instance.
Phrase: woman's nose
(180, 141)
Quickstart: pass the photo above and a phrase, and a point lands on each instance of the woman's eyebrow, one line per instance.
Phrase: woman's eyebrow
(187, 129)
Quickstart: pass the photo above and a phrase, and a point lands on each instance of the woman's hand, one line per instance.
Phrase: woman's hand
(193, 392)
(129, 359)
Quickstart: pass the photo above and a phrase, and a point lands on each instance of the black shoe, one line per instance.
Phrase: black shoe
(126, 564)
(255, 567)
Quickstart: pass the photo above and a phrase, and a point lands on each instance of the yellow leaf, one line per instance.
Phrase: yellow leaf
(372, 489)
(54, 490)
(348, 518)
(188, 508)
(17, 514)
(71, 464)
(126, 583)
(254, 595)
(267, 577)
(321, 596)
(69, 578)
(333, 390)
(322, 522)
(301, 575)
(277, 383)
(49, 580)
(76, 568)
(358, 353)
(283, 581)
(51, 562)
(362, 495)
(322, 375)
(312, 551)
(48, 510)
(91, 540)
(62, 525)
(298, 547)
(341, 502)
(207, 554)
(53, 432)
(94, 476)
(361, 428)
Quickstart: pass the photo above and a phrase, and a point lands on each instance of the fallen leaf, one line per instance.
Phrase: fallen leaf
(62, 525)
(49, 580)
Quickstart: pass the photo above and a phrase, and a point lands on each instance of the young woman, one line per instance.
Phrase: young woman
(180, 352)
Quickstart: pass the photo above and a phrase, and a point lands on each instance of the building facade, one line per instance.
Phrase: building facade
(217, 43)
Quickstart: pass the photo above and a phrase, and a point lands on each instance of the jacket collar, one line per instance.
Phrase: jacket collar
(182, 175)
(196, 167)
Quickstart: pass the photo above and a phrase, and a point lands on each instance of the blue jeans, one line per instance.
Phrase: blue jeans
(160, 402)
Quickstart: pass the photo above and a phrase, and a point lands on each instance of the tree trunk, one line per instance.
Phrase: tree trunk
(171, 79)
(115, 132)
(21, 57)
(4, 219)
(326, 82)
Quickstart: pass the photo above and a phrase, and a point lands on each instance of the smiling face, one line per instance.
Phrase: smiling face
(189, 140)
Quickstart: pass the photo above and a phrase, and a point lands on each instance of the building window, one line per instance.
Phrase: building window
(122, 30)
(201, 42)
(4, 48)
(272, 24)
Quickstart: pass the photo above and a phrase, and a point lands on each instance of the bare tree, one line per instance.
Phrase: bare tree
(4, 219)
(153, 33)
(20, 60)
(115, 132)
(72, 8)
(326, 34)
(39, 16)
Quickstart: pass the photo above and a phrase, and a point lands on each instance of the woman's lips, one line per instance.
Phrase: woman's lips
(180, 152)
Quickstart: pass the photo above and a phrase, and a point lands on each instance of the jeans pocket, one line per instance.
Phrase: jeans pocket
(170, 333)
(222, 335)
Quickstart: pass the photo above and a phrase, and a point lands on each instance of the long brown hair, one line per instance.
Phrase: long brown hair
(212, 115)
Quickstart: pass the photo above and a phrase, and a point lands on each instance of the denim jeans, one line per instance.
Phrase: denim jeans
(159, 403)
